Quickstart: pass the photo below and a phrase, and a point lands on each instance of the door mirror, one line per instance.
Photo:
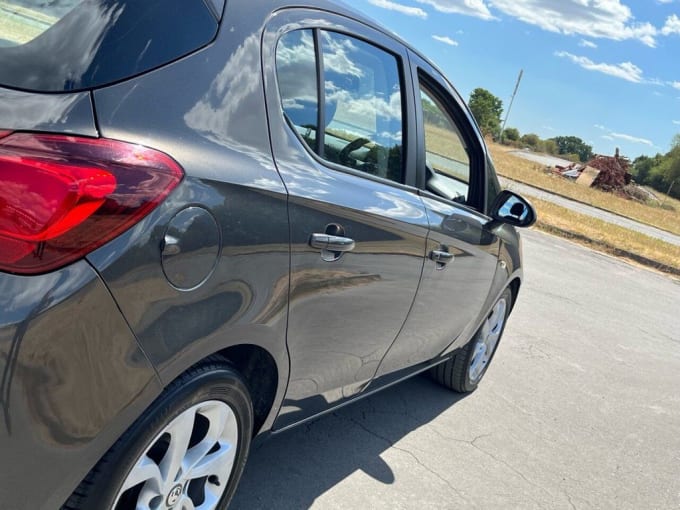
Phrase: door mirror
(512, 209)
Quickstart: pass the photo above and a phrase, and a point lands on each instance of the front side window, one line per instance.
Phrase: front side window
(355, 119)
(447, 158)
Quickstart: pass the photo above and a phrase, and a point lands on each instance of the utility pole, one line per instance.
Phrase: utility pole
(507, 114)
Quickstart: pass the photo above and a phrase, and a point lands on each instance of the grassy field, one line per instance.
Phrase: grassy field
(608, 238)
(532, 173)
(593, 232)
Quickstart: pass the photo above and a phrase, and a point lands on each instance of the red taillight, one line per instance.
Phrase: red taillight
(62, 196)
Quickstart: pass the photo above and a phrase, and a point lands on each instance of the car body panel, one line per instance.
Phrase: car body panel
(230, 173)
(343, 314)
(62, 113)
(450, 294)
(58, 409)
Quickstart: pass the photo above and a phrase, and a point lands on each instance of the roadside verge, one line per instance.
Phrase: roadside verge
(608, 238)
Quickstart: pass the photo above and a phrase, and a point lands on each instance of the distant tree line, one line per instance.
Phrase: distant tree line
(488, 109)
(661, 172)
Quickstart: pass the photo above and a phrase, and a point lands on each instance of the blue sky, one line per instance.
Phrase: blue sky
(607, 71)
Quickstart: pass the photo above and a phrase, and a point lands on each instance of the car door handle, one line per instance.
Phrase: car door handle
(441, 256)
(331, 243)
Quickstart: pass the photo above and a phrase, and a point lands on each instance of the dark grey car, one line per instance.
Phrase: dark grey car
(217, 222)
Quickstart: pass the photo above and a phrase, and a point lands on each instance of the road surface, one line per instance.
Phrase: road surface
(580, 410)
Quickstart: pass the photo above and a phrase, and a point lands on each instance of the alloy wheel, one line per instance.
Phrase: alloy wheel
(188, 464)
(487, 340)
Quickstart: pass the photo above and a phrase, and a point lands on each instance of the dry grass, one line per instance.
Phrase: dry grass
(444, 142)
(531, 173)
(606, 237)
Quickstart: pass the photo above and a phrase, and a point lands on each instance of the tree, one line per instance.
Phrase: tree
(511, 134)
(549, 146)
(487, 110)
(662, 172)
(642, 167)
(574, 145)
(531, 140)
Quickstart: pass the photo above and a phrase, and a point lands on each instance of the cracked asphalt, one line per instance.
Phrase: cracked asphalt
(580, 409)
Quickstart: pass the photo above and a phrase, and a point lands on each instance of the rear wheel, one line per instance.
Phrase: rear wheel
(463, 371)
(186, 453)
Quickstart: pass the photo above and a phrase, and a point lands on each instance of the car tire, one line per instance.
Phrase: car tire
(464, 370)
(191, 444)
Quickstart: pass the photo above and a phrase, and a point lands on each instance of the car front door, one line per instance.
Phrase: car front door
(461, 252)
(341, 108)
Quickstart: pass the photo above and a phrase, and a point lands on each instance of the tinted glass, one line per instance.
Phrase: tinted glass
(446, 152)
(296, 70)
(362, 107)
(22, 21)
(64, 45)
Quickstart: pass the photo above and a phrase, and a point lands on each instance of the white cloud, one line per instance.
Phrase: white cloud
(476, 8)
(587, 44)
(606, 19)
(675, 84)
(445, 39)
(676, 122)
(665, 1)
(625, 70)
(607, 137)
(600, 126)
(404, 9)
(633, 139)
(672, 25)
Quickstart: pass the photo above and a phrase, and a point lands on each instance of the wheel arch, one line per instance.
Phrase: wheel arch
(260, 371)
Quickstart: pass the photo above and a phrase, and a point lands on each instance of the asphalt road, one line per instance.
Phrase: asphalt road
(530, 191)
(580, 409)
(543, 159)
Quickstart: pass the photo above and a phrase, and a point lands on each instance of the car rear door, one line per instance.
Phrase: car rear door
(461, 252)
(358, 225)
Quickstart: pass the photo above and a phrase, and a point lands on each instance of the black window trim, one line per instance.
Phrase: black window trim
(476, 152)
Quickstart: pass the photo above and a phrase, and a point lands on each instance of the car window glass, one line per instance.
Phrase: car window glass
(447, 159)
(296, 70)
(362, 106)
(21, 21)
(68, 45)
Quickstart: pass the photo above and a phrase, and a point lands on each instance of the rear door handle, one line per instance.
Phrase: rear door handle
(441, 257)
(331, 243)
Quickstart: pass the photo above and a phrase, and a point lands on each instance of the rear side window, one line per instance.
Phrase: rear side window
(359, 107)
(70, 45)
(296, 69)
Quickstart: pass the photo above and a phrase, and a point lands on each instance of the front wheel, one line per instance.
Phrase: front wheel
(187, 452)
(463, 371)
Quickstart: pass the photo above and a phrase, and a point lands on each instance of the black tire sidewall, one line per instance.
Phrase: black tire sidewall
(218, 382)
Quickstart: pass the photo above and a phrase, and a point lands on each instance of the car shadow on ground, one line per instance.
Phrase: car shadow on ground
(291, 470)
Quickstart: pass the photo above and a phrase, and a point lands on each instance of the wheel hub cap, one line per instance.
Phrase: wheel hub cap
(174, 496)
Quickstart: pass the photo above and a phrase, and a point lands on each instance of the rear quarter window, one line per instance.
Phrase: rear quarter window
(70, 45)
